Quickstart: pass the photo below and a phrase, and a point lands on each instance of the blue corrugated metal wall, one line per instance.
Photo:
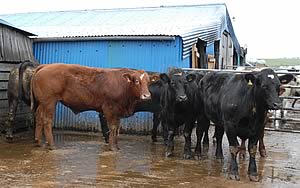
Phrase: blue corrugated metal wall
(210, 49)
(148, 55)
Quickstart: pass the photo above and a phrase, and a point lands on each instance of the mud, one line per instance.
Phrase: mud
(83, 161)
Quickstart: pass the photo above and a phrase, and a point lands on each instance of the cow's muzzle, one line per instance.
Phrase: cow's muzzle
(276, 106)
(146, 96)
(181, 98)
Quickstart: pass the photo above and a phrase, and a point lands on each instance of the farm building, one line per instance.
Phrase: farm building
(153, 39)
(15, 47)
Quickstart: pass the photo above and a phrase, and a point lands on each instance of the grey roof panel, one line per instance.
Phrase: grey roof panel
(188, 22)
(3, 22)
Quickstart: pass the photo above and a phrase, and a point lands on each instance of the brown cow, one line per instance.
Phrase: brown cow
(113, 92)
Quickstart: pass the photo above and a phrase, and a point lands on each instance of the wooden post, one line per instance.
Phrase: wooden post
(195, 56)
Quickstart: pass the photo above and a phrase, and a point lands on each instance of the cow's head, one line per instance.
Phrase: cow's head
(138, 81)
(268, 86)
(177, 81)
(293, 91)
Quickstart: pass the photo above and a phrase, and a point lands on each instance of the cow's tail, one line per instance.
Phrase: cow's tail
(20, 80)
(22, 67)
(33, 102)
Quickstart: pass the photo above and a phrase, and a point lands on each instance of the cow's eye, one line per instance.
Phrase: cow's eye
(137, 82)
(264, 87)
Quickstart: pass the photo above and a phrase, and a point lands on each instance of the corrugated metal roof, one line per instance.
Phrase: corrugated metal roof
(3, 22)
(188, 22)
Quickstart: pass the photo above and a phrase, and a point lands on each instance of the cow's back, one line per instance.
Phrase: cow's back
(222, 93)
(78, 87)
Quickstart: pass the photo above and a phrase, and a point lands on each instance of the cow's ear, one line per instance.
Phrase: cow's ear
(128, 77)
(164, 77)
(250, 78)
(281, 90)
(190, 77)
(154, 78)
(141, 71)
(284, 79)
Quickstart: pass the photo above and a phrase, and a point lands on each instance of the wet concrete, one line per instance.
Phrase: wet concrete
(80, 161)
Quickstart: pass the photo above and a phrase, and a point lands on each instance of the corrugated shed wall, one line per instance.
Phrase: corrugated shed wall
(139, 54)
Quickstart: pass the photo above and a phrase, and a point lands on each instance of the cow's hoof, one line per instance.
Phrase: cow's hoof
(9, 138)
(49, 147)
(37, 144)
(253, 178)
(234, 177)
(169, 154)
(187, 156)
(165, 142)
(198, 157)
(114, 148)
(263, 153)
(154, 139)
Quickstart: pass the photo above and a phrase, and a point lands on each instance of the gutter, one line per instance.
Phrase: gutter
(56, 39)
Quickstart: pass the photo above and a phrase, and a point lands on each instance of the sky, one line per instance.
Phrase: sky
(268, 28)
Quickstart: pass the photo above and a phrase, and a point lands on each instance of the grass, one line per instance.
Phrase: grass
(282, 62)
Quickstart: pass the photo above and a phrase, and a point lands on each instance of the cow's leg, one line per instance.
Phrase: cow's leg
(262, 149)
(33, 123)
(48, 121)
(219, 132)
(206, 139)
(233, 148)
(170, 142)
(156, 121)
(252, 169)
(202, 126)
(104, 127)
(39, 125)
(188, 128)
(165, 132)
(242, 149)
(113, 133)
(13, 105)
(215, 137)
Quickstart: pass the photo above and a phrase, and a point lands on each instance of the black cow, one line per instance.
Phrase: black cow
(153, 105)
(18, 90)
(179, 106)
(238, 104)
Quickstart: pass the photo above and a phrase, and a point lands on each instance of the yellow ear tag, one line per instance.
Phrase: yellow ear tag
(250, 83)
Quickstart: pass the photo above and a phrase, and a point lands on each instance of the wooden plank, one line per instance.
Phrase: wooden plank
(21, 121)
(3, 95)
(3, 86)
(4, 76)
(4, 111)
(4, 104)
(1, 44)
(194, 56)
(6, 67)
(8, 51)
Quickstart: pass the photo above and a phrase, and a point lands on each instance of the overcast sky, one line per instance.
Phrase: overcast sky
(270, 29)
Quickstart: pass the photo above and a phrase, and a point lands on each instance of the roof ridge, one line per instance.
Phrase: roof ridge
(124, 8)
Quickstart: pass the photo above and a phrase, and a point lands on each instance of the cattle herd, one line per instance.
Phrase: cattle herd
(237, 103)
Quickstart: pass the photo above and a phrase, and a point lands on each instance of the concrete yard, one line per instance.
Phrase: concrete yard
(82, 161)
